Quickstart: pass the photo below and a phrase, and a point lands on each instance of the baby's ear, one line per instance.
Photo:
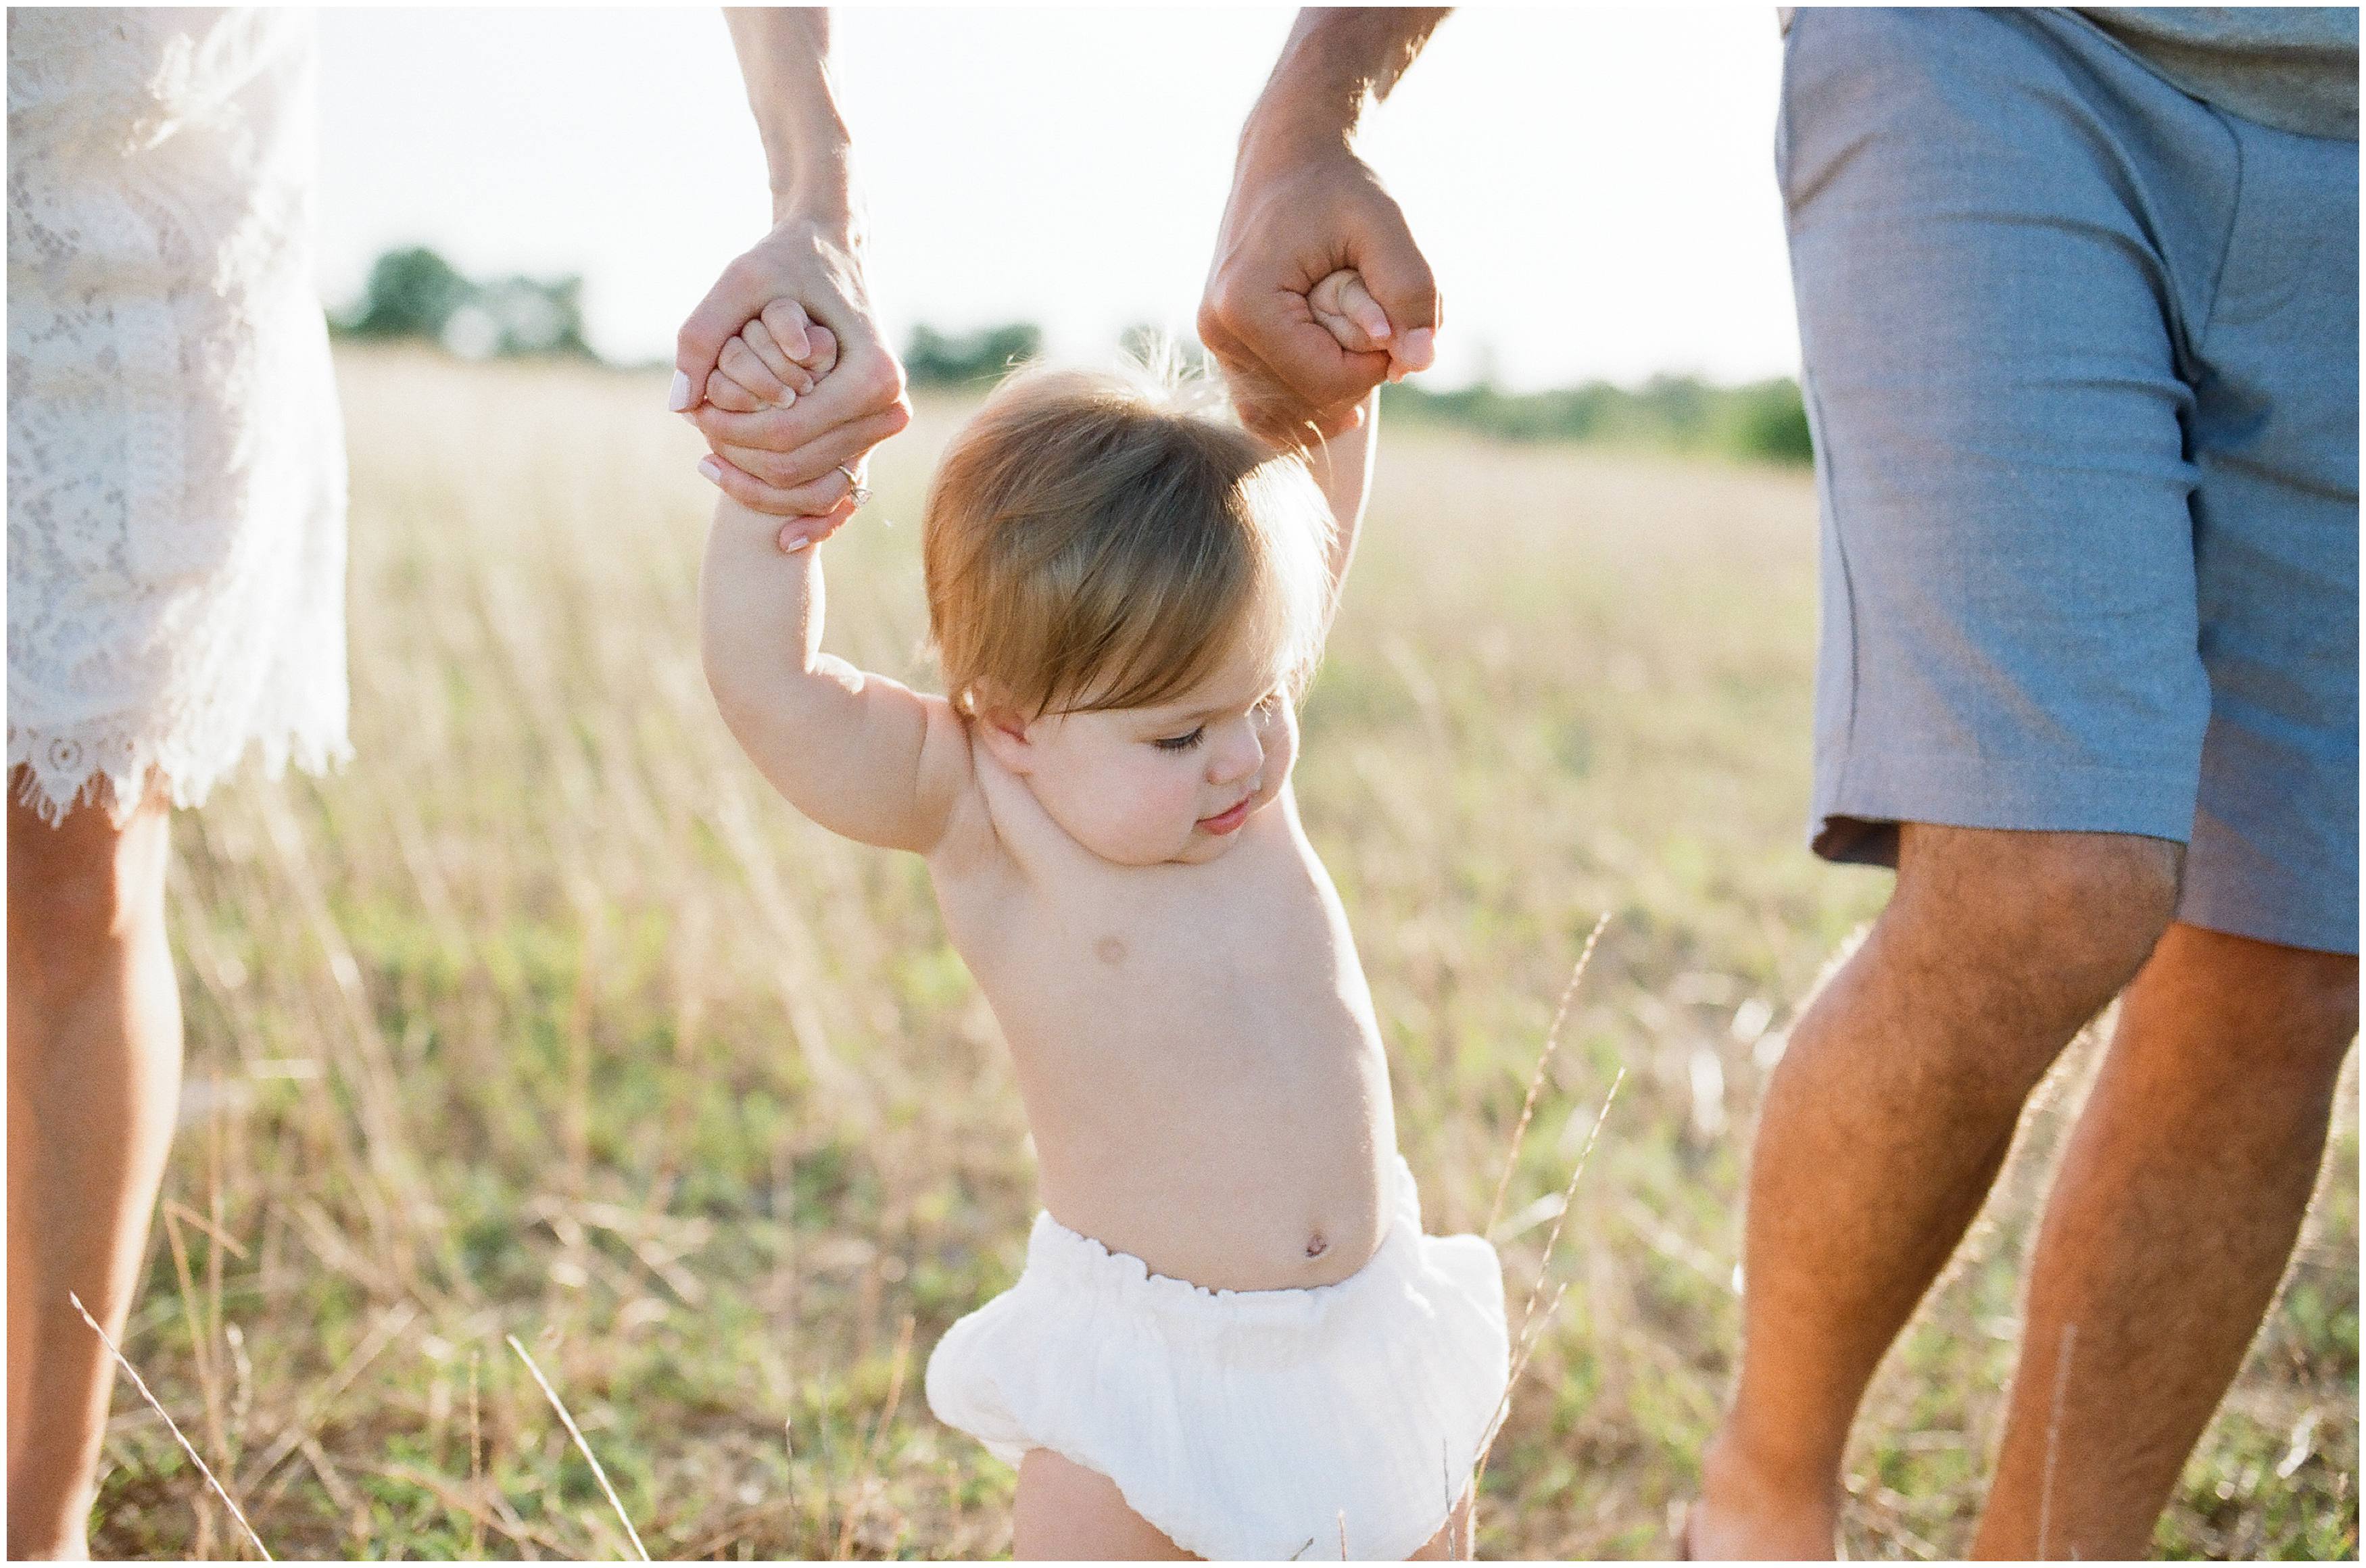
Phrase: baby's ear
(1006, 734)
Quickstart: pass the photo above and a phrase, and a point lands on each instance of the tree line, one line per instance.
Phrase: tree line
(415, 294)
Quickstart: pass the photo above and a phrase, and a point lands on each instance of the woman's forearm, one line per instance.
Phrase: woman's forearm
(812, 257)
(784, 60)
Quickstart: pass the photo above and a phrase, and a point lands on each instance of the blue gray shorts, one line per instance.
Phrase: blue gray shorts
(2081, 360)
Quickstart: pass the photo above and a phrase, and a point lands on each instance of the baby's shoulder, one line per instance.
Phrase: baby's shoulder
(967, 844)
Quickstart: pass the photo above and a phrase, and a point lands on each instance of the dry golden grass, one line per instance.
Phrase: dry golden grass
(545, 1019)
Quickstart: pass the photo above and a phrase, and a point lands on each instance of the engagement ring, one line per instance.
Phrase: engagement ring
(856, 490)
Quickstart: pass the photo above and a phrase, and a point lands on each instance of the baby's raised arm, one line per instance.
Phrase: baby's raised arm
(859, 754)
(1343, 464)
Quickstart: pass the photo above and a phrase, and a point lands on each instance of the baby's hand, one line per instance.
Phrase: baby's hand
(777, 358)
(1345, 309)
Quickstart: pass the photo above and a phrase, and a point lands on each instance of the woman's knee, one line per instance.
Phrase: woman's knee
(83, 885)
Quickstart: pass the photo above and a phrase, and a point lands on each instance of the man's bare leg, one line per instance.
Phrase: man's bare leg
(2174, 1211)
(93, 1077)
(1884, 1123)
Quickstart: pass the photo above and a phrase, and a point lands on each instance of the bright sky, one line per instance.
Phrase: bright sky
(1594, 187)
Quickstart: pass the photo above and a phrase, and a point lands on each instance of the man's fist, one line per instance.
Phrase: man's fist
(1297, 224)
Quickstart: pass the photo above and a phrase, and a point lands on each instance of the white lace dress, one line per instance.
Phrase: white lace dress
(176, 477)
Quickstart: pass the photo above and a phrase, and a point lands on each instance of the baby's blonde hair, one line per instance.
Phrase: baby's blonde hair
(1093, 541)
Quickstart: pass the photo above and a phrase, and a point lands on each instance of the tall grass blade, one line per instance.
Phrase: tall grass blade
(895, 1370)
(175, 1427)
(1531, 1322)
(576, 1432)
(2053, 1437)
(1537, 1079)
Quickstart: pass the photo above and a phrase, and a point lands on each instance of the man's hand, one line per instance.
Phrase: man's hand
(1286, 230)
(1303, 207)
(784, 458)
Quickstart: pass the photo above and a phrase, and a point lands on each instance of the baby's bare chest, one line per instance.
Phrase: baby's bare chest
(1199, 1062)
(1251, 947)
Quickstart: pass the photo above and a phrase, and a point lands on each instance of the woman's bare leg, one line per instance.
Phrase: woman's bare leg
(93, 1077)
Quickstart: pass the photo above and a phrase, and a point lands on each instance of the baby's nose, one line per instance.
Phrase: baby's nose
(1240, 754)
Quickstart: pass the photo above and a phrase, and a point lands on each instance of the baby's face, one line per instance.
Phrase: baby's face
(1176, 782)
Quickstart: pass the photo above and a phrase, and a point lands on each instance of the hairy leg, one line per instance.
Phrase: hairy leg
(2174, 1211)
(1065, 1512)
(1883, 1127)
(93, 1077)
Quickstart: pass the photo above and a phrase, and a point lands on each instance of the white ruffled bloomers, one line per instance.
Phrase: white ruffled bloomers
(1246, 1425)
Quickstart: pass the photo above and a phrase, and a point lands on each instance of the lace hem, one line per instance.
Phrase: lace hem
(54, 771)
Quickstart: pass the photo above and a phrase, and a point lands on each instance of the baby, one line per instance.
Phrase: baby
(1231, 1338)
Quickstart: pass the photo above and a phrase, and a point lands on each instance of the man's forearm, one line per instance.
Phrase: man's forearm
(1336, 62)
(784, 59)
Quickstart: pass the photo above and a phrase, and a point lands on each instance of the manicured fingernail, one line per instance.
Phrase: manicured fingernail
(712, 469)
(792, 540)
(678, 399)
(1377, 328)
(1420, 348)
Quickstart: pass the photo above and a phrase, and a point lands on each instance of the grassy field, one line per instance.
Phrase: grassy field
(544, 1019)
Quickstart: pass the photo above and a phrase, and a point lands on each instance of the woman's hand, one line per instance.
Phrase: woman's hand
(789, 456)
(777, 358)
(755, 372)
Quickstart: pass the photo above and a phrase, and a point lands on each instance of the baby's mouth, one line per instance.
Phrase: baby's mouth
(1231, 817)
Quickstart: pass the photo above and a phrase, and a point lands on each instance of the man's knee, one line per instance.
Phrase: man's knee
(2031, 933)
(2319, 993)
(2283, 1012)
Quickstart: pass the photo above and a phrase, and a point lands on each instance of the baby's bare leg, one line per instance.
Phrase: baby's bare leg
(1065, 1512)
(1453, 1538)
